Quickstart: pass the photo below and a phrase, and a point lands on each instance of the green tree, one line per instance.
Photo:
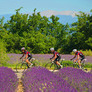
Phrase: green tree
(82, 32)
(3, 55)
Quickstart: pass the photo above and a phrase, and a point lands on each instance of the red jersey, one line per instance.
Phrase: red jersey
(26, 52)
(56, 53)
(79, 53)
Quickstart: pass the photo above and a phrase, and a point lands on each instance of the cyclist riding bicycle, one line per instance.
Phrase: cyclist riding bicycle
(56, 57)
(28, 56)
(79, 58)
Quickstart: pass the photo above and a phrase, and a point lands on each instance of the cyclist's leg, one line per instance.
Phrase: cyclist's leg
(79, 63)
(28, 60)
(27, 65)
(57, 62)
(82, 59)
(83, 63)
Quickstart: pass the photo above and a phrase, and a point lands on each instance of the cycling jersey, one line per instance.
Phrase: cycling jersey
(58, 56)
(56, 53)
(79, 53)
(29, 54)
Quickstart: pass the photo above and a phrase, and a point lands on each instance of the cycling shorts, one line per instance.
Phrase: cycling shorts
(82, 58)
(57, 59)
(29, 58)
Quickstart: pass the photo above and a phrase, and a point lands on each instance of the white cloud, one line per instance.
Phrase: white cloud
(48, 13)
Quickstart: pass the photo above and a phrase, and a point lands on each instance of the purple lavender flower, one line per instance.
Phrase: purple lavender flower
(14, 58)
(77, 78)
(8, 80)
(38, 79)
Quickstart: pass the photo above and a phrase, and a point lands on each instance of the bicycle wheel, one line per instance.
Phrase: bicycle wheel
(49, 65)
(83, 65)
(75, 65)
(21, 67)
(62, 63)
(56, 67)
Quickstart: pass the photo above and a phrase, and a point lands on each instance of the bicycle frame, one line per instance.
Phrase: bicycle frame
(23, 65)
(82, 62)
(50, 64)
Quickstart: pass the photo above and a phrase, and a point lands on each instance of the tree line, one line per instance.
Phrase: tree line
(37, 33)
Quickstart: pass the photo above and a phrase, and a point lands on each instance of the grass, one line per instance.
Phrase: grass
(70, 64)
(64, 63)
(9, 65)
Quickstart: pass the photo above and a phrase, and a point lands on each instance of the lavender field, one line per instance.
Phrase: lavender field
(77, 78)
(38, 79)
(14, 58)
(8, 80)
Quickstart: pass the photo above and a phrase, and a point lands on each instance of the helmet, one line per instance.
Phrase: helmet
(51, 49)
(74, 50)
(23, 48)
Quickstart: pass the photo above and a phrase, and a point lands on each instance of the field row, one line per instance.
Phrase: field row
(14, 58)
(39, 79)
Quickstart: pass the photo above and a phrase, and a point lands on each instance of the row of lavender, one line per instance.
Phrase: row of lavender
(14, 58)
(8, 80)
(77, 78)
(38, 79)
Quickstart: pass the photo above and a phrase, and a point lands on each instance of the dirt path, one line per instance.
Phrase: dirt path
(19, 74)
(20, 84)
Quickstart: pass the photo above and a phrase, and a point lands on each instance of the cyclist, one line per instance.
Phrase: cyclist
(28, 56)
(56, 57)
(79, 58)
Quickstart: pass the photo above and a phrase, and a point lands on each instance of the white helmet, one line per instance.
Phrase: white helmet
(23, 48)
(74, 50)
(51, 49)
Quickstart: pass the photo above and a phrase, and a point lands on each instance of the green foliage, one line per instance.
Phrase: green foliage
(89, 41)
(3, 55)
(60, 50)
(68, 64)
(80, 36)
(34, 32)
(87, 52)
(42, 64)
(37, 33)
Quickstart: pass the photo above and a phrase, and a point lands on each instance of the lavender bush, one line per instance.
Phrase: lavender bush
(8, 80)
(38, 79)
(77, 78)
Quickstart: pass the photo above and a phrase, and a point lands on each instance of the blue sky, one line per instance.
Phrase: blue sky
(9, 6)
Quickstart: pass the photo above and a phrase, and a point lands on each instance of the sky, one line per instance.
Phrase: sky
(9, 6)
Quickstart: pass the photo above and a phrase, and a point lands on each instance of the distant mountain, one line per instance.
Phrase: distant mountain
(67, 19)
(48, 13)
(62, 18)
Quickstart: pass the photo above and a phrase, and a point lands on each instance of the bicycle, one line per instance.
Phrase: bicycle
(75, 64)
(52, 66)
(23, 66)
